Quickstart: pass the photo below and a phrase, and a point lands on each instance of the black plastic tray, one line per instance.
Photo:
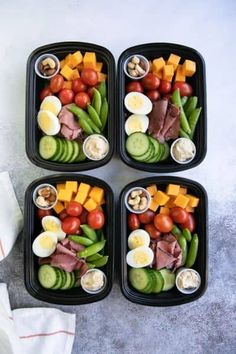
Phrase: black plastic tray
(33, 86)
(172, 297)
(198, 82)
(32, 228)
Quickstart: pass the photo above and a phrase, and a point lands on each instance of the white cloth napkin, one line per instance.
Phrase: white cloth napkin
(34, 330)
(11, 219)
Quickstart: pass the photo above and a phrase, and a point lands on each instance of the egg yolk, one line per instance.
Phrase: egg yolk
(135, 102)
(46, 242)
(137, 241)
(49, 106)
(46, 123)
(52, 226)
(141, 258)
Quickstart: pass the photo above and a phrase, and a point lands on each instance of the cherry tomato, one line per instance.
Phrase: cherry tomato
(165, 87)
(44, 93)
(189, 223)
(152, 231)
(153, 95)
(146, 217)
(74, 208)
(150, 82)
(89, 76)
(184, 88)
(96, 219)
(70, 224)
(66, 96)
(178, 215)
(134, 86)
(63, 214)
(78, 86)
(83, 216)
(133, 222)
(56, 83)
(163, 223)
(90, 91)
(82, 99)
(41, 213)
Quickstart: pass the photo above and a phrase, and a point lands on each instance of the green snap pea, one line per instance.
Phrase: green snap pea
(191, 106)
(85, 126)
(101, 262)
(183, 245)
(104, 113)
(81, 240)
(102, 89)
(187, 234)
(193, 250)
(97, 101)
(193, 119)
(101, 237)
(176, 231)
(89, 232)
(89, 251)
(94, 116)
(84, 120)
(175, 98)
(183, 134)
(184, 100)
(94, 257)
(90, 265)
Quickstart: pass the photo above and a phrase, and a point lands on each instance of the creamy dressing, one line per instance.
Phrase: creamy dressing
(184, 150)
(93, 280)
(96, 147)
(188, 280)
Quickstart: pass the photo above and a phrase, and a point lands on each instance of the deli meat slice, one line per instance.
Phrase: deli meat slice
(163, 259)
(173, 132)
(67, 118)
(168, 253)
(76, 247)
(64, 261)
(157, 118)
(66, 132)
(65, 250)
(172, 116)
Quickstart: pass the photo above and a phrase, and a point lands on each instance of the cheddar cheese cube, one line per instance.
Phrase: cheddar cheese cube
(153, 205)
(158, 64)
(64, 195)
(170, 204)
(161, 198)
(164, 210)
(179, 76)
(67, 59)
(181, 201)
(81, 197)
(159, 74)
(172, 189)
(90, 60)
(67, 72)
(60, 186)
(75, 74)
(99, 66)
(173, 60)
(193, 201)
(168, 72)
(182, 190)
(150, 66)
(84, 187)
(58, 207)
(97, 194)
(152, 190)
(189, 209)
(67, 85)
(101, 77)
(72, 186)
(75, 59)
(80, 66)
(62, 63)
(90, 204)
(189, 68)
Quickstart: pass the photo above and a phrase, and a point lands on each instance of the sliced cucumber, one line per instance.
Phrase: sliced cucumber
(145, 156)
(159, 283)
(169, 279)
(75, 151)
(68, 281)
(70, 151)
(81, 156)
(137, 144)
(59, 150)
(61, 279)
(166, 152)
(72, 280)
(48, 276)
(152, 281)
(139, 278)
(65, 149)
(48, 147)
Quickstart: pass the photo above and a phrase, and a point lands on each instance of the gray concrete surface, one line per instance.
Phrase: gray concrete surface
(114, 325)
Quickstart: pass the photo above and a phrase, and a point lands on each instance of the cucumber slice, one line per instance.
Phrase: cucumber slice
(48, 147)
(139, 278)
(81, 156)
(152, 282)
(48, 276)
(166, 152)
(60, 281)
(60, 151)
(65, 148)
(155, 146)
(145, 156)
(169, 279)
(75, 152)
(137, 144)
(68, 281)
(159, 283)
(72, 280)
(70, 151)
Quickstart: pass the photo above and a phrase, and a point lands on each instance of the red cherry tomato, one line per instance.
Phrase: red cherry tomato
(146, 217)
(74, 208)
(89, 77)
(184, 88)
(163, 223)
(96, 219)
(189, 223)
(90, 92)
(133, 222)
(41, 213)
(56, 83)
(66, 96)
(134, 86)
(165, 87)
(78, 86)
(44, 93)
(83, 216)
(153, 95)
(152, 231)
(63, 214)
(150, 82)
(82, 99)
(70, 224)
(178, 215)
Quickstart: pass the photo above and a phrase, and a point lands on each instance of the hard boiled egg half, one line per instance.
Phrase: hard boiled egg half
(136, 123)
(51, 104)
(138, 238)
(48, 122)
(45, 244)
(53, 224)
(140, 257)
(138, 103)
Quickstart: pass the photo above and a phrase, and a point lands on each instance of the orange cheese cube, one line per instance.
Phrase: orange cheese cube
(182, 190)
(153, 205)
(80, 66)
(75, 59)
(193, 201)
(189, 209)
(164, 210)
(172, 189)
(75, 74)
(72, 186)
(159, 74)
(60, 186)
(173, 60)
(90, 60)
(65, 195)
(99, 66)
(62, 63)
(58, 207)
(67, 72)
(101, 77)
(150, 66)
(97, 194)
(90, 204)
(170, 204)
(81, 197)
(189, 68)
(181, 201)
(67, 85)
(179, 76)
(152, 190)
(158, 64)
(168, 72)
(67, 58)
(84, 187)
(161, 198)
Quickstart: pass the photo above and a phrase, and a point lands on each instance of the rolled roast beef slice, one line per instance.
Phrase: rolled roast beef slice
(157, 117)
(163, 259)
(173, 132)
(66, 132)
(171, 115)
(67, 118)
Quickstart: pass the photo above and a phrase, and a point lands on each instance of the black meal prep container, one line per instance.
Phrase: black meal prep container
(198, 82)
(32, 228)
(34, 84)
(172, 297)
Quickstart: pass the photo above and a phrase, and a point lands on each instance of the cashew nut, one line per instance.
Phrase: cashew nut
(139, 69)
(135, 60)
(133, 72)
(136, 207)
(50, 62)
(134, 201)
(135, 193)
(143, 203)
(131, 65)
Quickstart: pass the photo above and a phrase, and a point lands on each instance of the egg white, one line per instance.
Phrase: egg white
(51, 104)
(45, 244)
(53, 224)
(138, 103)
(140, 257)
(48, 122)
(138, 238)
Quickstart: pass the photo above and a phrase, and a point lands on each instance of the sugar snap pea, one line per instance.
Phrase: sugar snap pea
(183, 134)
(81, 240)
(89, 232)
(175, 98)
(101, 237)
(89, 251)
(104, 113)
(94, 115)
(85, 126)
(84, 120)
(187, 234)
(94, 257)
(191, 106)
(101, 262)
(193, 119)
(102, 89)
(184, 100)
(193, 250)
(183, 245)
(97, 101)
(176, 231)
(90, 265)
